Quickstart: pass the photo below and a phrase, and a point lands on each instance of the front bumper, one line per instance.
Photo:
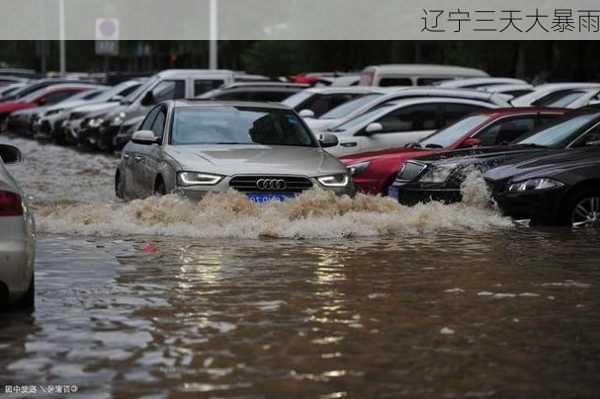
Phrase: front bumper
(539, 206)
(16, 257)
(412, 195)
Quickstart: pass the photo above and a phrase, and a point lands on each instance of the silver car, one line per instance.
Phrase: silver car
(17, 238)
(193, 147)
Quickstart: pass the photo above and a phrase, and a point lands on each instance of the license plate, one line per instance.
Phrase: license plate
(262, 198)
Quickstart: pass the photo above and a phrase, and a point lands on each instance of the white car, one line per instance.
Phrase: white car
(554, 94)
(366, 103)
(314, 102)
(414, 74)
(477, 83)
(398, 123)
(515, 90)
(17, 238)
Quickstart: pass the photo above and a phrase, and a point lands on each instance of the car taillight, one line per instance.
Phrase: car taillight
(10, 204)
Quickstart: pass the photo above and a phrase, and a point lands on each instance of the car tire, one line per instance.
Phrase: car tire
(27, 302)
(119, 186)
(582, 209)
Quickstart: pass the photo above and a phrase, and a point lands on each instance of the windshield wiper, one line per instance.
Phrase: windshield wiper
(433, 145)
(532, 145)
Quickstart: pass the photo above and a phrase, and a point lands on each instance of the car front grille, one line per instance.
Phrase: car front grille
(410, 171)
(290, 184)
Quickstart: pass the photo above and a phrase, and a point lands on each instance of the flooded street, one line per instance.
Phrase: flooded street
(320, 297)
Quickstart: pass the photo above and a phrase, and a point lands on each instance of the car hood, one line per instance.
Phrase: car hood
(255, 159)
(546, 165)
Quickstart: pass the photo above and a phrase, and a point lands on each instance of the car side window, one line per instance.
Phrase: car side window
(147, 123)
(387, 82)
(169, 90)
(506, 130)
(57, 96)
(591, 136)
(158, 126)
(321, 104)
(452, 112)
(201, 86)
(414, 118)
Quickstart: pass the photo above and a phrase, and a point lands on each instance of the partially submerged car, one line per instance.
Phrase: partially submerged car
(17, 238)
(374, 172)
(193, 147)
(559, 189)
(439, 176)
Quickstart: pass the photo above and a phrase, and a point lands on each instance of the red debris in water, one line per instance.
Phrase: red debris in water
(149, 248)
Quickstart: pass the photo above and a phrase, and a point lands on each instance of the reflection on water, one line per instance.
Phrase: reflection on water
(508, 313)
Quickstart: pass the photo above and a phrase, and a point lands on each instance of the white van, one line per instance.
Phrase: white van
(414, 74)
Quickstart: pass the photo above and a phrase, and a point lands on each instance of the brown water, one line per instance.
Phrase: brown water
(320, 297)
(503, 314)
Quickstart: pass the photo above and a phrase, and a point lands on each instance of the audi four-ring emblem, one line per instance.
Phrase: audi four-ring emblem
(271, 184)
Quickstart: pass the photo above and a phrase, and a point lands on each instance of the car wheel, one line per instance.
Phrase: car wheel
(583, 210)
(160, 188)
(27, 302)
(119, 186)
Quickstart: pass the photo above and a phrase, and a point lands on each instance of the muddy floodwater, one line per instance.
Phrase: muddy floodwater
(319, 297)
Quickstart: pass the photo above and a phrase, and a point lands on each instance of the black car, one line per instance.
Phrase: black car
(559, 189)
(439, 177)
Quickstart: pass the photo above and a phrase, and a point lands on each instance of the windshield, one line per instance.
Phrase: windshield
(561, 133)
(449, 135)
(297, 99)
(349, 107)
(239, 125)
(359, 121)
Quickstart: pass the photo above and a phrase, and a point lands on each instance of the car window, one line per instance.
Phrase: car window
(147, 123)
(239, 125)
(559, 98)
(452, 112)
(350, 106)
(411, 118)
(322, 103)
(55, 97)
(158, 125)
(449, 135)
(429, 81)
(506, 130)
(201, 86)
(560, 134)
(169, 90)
(591, 136)
(386, 82)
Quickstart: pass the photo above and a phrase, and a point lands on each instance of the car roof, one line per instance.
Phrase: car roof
(262, 85)
(417, 69)
(348, 89)
(197, 102)
(170, 73)
(523, 110)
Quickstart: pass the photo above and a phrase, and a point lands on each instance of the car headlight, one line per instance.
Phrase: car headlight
(358, 168)
(340, 180)
(436, 174)
(543, 183)
(95, 122)
(119, 119)
(197, 179)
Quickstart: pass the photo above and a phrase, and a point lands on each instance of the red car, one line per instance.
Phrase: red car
(46, 96)
(374, 172)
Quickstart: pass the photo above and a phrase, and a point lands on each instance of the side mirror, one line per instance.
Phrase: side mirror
(148, 99)
(145, 137)
(373, 128)
(307, 113)
(10, 154)
(470, 142)
(328, 140)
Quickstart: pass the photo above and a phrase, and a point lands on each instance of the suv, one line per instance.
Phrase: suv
(166, 85)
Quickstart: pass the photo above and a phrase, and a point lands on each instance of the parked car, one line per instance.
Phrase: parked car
(99, 132)
(35, 86)
(374, 172)
(48, 120)
(558, 189)
(256, 92)
(17, 238)
(11, 88)
(478, 83)
(440, 176)
(314, 102)
(414, 74)
(194, 147)
(47, 96)
(366, 103)
(23, 121)
(554, 94)
(401, 122)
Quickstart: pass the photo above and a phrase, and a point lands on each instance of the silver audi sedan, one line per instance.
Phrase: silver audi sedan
(193, 147)
(17, 239)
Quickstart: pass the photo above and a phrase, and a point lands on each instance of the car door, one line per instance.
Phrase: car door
(399, 127)
(133, 156)
(152, 153)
